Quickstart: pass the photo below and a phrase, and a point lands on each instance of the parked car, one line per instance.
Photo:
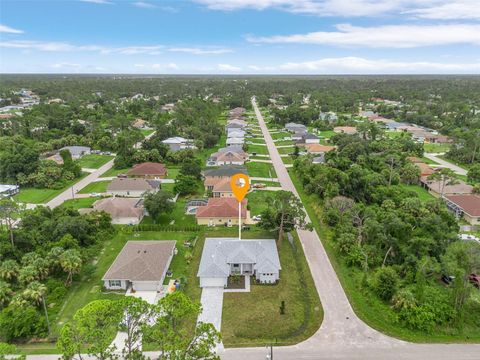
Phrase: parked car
(257, 218)
(447, 279)
(474, 280)
(95, 194)
(122, 176)
(259, 186)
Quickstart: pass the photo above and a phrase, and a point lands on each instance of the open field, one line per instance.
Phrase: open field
(257, 201)
(96, 186)
(436, 148)
(256, 169)
(423, 194)
(80, 203)
(94, 161)
(258, 149)
(286, 150)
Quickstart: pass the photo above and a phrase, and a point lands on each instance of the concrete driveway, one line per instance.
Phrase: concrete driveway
(212, 304)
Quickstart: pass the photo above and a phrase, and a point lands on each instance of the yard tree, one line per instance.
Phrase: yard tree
(473, 174)
(9, 270)
(159, 203)
(5, 293)
(192, 167)
(173, 313)
(9, 210)
(284, 213)
(137, 314)
(445, 177)
(91, 331)
(69, 165)
(36, 292)
(71, 262)
(186, 184)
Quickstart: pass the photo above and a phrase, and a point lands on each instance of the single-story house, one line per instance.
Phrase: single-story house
(328, 116)
(425, 169)
(223, 257)
(140, 265)
(123, 211)
(235, 124)
(308, 139)
(298, 135)
(466, 206)
(233, 141)
(294, 127)
(350, 130)
(318, 148)
(77, 151)
(192, 205)
(234, 157)
(319, 159)
(236, 133)
(132, 187)
(8, 190)
(224, 171)
(222, 211)
(435, 187)
(220, 187)
(179, 143)
(148, 170)
(238, 111)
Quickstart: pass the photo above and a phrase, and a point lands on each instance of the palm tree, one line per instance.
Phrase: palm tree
(8, 270)
(71, 263)
(27, 274)
(35, 292)
(5, 292)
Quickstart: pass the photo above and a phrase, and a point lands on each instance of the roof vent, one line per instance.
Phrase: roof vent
(144, 251)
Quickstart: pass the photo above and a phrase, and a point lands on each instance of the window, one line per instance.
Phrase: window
(114, 283)
(236, 265)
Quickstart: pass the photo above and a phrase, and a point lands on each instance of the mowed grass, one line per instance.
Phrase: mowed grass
(284, 142)
(80, 203)
(257, 149)
(176, 217)
(367, 306)
(422, 194)
(258, 201)
(261, 170)
(327, 134)
(94, 161)
(280, 135)
(96, 186)
(436, 148)
(114, 172)
(261, 322)
(286, 150)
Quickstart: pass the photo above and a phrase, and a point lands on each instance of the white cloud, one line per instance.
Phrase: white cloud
(228, 67)
(9, 30)
(100, 2)
(170, 66)
(48, 46)
(461, 9)
(144, 5)
(388, 36)
(357, 65)
(200, 51)
(64, 65)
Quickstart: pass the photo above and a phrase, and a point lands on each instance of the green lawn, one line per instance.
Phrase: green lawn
(436, 148)
(366, 305)
(286, 150)
(288, 160)
(257, 201)
(114, 172)
(168, 187)
(327, 134)
(261, 170)
(96, 186)
(257, 149)
(262, 323)
(80, 203)
(172, 172)
(177, 217)
(267, 183)
(423, 194)
(42, 196)
(94, 161)
(284, 142)
(280, 135)
(428, 161)
(146, 132)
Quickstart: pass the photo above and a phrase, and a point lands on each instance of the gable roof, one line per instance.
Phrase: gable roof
(141, 261)
(436, 186)
(219, 253)
(222, 208)
(318, 148)
(228, 170)
(133, 184)
(470, 204)
(120, 207)
(148, 168)
(228, 156)
(76, 150)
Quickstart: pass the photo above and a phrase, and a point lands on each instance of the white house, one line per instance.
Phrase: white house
(8, 190)
(179, 143)
(141, 266)
(223, 257)
(77, 151)
(233, 141)
(132, 187)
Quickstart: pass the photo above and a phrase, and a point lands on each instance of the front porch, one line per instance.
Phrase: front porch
(241, 269)
(238, 283)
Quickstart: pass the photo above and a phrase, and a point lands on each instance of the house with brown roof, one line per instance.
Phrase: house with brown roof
(466, 206)
(139, 123)
(148, 170)
(222, 211)
(350, 130)
(435, 187)
(318, 148)
(123, 211)
(140, 266)
(225, 156)
(132, 187)
(425, 169)
(220, 187)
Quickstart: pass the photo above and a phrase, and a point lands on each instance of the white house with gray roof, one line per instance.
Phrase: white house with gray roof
(222, 257)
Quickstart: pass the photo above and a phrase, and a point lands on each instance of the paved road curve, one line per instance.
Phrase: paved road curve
(457, 169)
(342, 334)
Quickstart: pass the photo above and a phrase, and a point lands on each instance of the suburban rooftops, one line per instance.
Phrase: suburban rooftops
(228, 170)
(121, 184)
(148, 168)
(224, 207)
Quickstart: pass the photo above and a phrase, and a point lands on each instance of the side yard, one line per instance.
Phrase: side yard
(256, 169)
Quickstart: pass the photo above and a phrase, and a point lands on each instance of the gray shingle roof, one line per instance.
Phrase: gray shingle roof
(226, 171)
(219, 253)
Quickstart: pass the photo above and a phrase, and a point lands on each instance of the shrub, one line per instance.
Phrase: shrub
(19, 323)
(385, 282)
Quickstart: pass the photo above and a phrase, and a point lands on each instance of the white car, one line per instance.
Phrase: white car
(257, 218)
(95, 194)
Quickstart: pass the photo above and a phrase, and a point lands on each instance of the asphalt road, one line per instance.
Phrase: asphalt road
(342, 334)
(457, 169)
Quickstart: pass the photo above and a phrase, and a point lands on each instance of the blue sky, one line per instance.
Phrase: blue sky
(240, 36)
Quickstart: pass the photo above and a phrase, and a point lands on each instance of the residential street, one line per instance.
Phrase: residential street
(457, 169)
(342, 334)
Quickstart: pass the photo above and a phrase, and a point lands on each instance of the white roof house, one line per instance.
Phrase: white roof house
(235, 133)
(8, 190)
(222, 257)
(235, 141)
(77, 151)
(179, 143)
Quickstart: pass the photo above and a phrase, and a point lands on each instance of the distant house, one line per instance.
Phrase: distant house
(225, 157)
(465, 206)
(132, 187)
(179, 143)
(235, 124)
(140, 266)
(435, 187)
(139, 123)
(148, 170)
(319, 159)
(224, 171)
(295, 128)
(328, 116)
(8, 190)
(234, 141)
(77, 151)
(222, 211)
(223, 257)
(126, 211)
(168, 107)
(298, 135)
(308, 139)
(318, 149)
(56, 158)
(220, 187)
(238, 111)
(350, 130)
(238, 133)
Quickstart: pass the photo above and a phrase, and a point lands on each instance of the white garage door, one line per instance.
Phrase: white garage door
(145, 285)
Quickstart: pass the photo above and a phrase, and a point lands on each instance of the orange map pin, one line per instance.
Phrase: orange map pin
(240, 183)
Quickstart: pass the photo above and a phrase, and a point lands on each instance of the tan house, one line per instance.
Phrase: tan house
(225, 156)
(318, 148)
(220, 187)
(148, 170)
(466, 206)
(350, 130)
(435, 187)
(140, 266)
(123, 211)
(222, 212)
(139, 123)
(132, 187)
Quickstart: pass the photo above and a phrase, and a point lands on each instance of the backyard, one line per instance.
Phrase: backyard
(177, 217)
(256, 169)
(258, 149)
(257, 201)
(263, 323)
